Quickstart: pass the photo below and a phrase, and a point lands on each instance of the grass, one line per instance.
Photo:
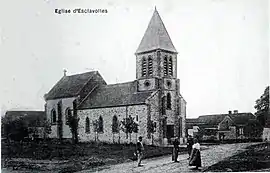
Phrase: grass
(78, 157)
(255, 157)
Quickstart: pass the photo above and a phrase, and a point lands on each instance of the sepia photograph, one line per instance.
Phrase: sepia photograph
(113, 86)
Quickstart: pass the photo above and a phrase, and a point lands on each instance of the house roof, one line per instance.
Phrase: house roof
(241, 118)
(32, 118)
(156, 36)
(70, 86)
(208, 121)
(212, 119)
(121, 94)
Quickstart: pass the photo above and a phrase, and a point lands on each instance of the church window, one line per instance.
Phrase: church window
(115, 125)
(163, 108)
(144, 67)
(87, 125)
(68, 114)
(150, 65)
(137, 118)
(100, 124)
(170, 66)
(165, 66)
(169, 104)
(53, 115)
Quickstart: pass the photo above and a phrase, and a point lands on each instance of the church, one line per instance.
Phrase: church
(153, 97)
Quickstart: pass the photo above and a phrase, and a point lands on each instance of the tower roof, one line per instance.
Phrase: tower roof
(156, 36)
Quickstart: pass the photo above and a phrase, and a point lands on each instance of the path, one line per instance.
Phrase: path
(164, 164)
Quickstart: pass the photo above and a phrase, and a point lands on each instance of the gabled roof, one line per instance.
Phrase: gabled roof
(70, 86)
(241, 118)
(32, 118)
(214, 120)
(121, 94)
(156, 36)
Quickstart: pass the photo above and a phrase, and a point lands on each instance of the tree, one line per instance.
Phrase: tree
(129, 126)
(47, 128)
(15, 130)
(73, 123)
(115, 126)
(253, 129)
(262, 107)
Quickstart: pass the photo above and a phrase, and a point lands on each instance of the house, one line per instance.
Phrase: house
(32, 120)
(154, 96)
(224, 126)
(266, 129)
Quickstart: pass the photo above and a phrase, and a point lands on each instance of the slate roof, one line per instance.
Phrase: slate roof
(241, 118)
(33, 118)
(115, 95)
(208, 121)
(156, 36)
(212, 119)
(70, 86)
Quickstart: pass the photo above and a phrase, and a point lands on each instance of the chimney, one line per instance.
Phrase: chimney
(230, 112)
(65, 72)
(235, 111)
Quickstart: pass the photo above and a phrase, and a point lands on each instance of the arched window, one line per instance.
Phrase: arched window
(100, 124)
(150, 65)
(163, 108)
(165, 66)
(87, 125)
(143, 67)
(169, 104)
(115, 125)
(68, 114)
(53, 116)
(170, 66)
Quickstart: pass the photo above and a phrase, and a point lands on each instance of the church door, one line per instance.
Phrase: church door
(170, 132)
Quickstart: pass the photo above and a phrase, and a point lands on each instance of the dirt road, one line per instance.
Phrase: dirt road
(164, 164)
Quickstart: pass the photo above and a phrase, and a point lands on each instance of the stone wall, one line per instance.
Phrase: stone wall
(136, 111)
(52, 104)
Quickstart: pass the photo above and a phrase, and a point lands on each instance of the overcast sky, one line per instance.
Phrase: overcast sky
(223, 48)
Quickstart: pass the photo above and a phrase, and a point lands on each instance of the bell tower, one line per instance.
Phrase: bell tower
(156, 58)
(156, 70)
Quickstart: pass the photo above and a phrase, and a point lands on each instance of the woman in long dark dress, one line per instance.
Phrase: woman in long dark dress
(195, 156)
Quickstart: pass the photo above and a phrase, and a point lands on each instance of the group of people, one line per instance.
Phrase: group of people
(193, 148)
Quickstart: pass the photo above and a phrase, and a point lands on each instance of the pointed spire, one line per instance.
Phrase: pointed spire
(156, 36)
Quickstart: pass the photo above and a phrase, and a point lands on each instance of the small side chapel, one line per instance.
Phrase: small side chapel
(154, 96)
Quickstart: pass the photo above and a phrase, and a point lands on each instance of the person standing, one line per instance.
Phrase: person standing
(175, 150)
(195, 157)
(189, 145)
(140, 149)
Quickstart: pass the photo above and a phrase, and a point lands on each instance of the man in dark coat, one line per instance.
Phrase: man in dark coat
(175, 150)
(189, 145)
(139, 149)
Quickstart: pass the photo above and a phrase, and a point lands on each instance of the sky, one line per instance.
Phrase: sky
(223, 50)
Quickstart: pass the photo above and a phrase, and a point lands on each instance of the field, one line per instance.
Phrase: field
(253, 158)
(46, 155)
